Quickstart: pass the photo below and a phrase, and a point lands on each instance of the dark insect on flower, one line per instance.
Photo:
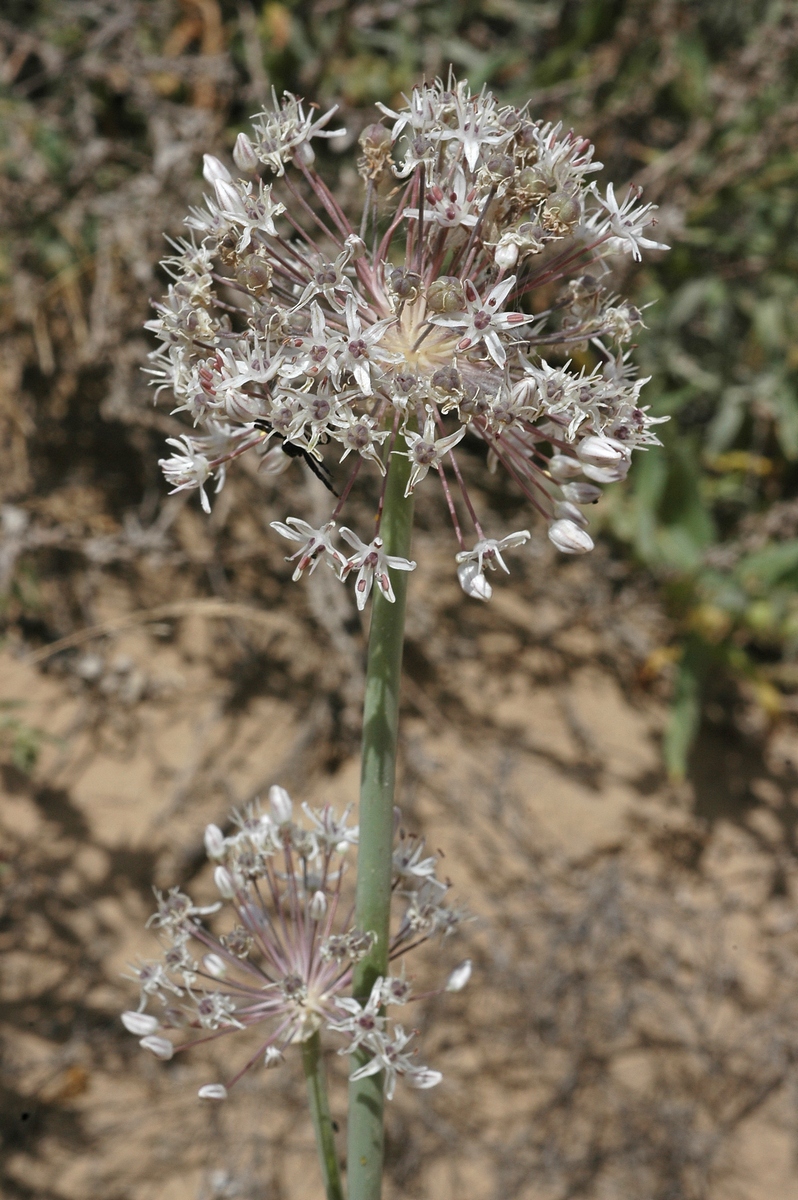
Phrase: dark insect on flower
(292, 450)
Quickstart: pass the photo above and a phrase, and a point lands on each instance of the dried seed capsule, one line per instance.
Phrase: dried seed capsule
(532, 185)
(501, 166)
(445, 295)
(561, 212)
(405, 284)
(446, 379)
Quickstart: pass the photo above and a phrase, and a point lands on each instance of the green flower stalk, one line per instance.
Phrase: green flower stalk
(375, 854)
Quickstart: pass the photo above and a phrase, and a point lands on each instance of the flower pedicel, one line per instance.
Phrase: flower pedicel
(291, 333)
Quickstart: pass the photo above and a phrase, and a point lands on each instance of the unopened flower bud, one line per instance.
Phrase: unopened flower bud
(215, 171)
(159, 1046)
(581, 493)
(565, 510)
(356, 246)
(215, 965)
(562, 466)
(506, 254)
(600, 451)
(445, 295)
(256, 276)
(228, 196)
(244, 155)
(213, 1091)
(280, 804)
(141, 1024)
(527, 135)
(224, 883)
(318, 906)
(525, 392)
(214, 841)
(375, 137)
(459, 977)
(304, 154)
(473, 582)
(612, 474)
(569, 538)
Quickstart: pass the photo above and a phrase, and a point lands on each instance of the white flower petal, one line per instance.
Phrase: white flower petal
(141, 1024)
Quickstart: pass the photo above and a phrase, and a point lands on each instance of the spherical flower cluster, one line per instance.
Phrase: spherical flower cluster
(286, 959)
(458, 307)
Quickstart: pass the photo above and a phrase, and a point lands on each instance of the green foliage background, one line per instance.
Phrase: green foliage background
(693, 99)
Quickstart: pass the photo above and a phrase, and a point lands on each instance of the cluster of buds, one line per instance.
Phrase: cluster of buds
(458, 307)
(285, 960)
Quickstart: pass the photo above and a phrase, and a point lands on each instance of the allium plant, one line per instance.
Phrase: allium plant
(453, 308)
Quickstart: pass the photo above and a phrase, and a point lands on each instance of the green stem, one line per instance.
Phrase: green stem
(322, 1120)
(375, 846)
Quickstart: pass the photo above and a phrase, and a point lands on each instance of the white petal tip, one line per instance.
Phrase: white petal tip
(459, 977)
(280, 804)
(214, 841)
(213, 1091)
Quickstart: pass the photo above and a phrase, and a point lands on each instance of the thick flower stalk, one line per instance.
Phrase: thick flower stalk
(453, 309)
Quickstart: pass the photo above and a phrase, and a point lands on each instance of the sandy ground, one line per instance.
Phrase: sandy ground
(630, 1027)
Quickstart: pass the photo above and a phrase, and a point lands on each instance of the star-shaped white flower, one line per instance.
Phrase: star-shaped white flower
(471, 564)
(477, 125)
(390, 1057)
(625, 222)
(425, 450)
(448, 207)
(482, 321)
(315, 544)
(187, 469)
(364, 1021)
(355, 351)
(372, 563)
(329, 278)
(361, 435)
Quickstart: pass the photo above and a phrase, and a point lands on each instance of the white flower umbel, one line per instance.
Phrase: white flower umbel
(293, 332)
(284, 953)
